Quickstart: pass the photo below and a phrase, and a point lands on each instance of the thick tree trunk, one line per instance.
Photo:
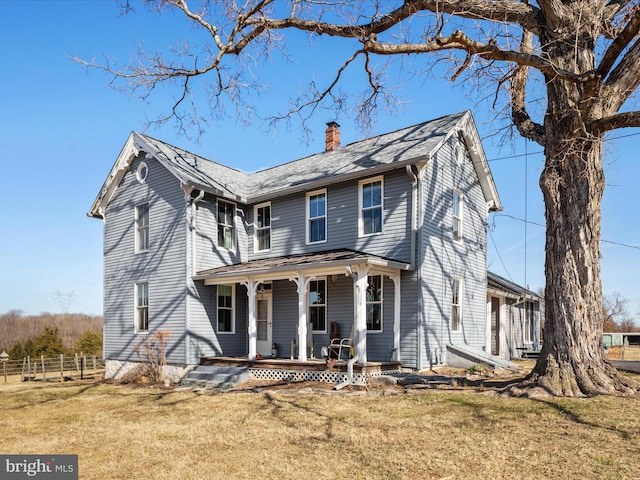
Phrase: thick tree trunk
(572, 362)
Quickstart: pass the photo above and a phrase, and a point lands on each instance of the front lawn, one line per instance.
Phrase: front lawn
(125, 432)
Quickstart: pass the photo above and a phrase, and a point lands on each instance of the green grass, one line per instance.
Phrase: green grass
(126, 432)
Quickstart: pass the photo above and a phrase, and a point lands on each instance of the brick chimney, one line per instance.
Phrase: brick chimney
(332, 140)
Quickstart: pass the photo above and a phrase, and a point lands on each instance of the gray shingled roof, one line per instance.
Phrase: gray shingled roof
(500, 283)
(390, 150)
(383, 152)
(300, 261)
(195, 170)
(374, 156)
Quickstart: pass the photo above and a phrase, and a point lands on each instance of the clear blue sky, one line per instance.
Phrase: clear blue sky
(61, 129)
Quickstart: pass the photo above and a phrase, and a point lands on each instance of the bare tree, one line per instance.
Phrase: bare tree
(584, 56)
(615, 312)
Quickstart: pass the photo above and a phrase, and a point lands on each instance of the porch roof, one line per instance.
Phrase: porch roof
(319, 263)
(498, 284)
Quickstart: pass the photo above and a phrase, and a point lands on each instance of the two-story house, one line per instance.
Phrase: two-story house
(382, 241)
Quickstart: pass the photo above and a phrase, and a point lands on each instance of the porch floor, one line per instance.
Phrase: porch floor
(311, 365)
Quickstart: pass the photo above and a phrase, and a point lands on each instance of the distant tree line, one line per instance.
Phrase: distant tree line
(49, 334)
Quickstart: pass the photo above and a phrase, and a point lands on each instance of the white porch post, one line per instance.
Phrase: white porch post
(252, 329)
(302, 285)
(396, 316)
(360, 320)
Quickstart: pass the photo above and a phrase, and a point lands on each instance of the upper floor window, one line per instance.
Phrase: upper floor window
(374, 303)
(226, 322)
(318, 305)
(456, 307)
(317, 216)
(370, 221)
(262, 215)
(142, 307)
(457, 216)
(226, 229)
(142, 227)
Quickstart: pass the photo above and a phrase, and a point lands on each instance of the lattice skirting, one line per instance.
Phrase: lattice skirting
(327, 376)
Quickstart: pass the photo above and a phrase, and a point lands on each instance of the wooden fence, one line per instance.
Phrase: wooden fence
(64, 367)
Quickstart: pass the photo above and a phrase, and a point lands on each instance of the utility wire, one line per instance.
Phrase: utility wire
(620, 244)
(517, 155)
(499, 257)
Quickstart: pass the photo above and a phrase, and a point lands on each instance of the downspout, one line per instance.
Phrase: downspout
(194, 213)
(191, 267)
(349, 380)
(416, 242)
(414, 221)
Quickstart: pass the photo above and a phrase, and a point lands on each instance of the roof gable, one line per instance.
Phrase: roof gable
(371, 156)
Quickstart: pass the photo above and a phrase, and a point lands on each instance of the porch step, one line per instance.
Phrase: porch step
(204, 376)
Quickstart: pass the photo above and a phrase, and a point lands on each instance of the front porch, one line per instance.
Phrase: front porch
(296, 300)
(316, 370)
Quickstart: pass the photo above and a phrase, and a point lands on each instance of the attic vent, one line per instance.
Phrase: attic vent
(332, 137)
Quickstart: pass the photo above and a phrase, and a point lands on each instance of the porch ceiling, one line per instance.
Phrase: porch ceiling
(320, 263)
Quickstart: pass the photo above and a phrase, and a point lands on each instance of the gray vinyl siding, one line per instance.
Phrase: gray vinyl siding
(163, 266)
(339, 308)
(204, 340)
(380, 344)
(409, 317)
(238, 343)
(284, 315)
(288, 221)
(209, 254)
(445, 259)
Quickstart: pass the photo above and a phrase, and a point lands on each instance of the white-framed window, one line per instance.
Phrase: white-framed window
(456, 305)
(226, 224)
(317, 216)
(370, 206)
(142, 228)
(374, 303)
(226, 315)
(141, 324)
(262, 222)
(318, 305)
(457, 216)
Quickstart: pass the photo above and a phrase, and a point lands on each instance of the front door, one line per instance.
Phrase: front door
(264, 324)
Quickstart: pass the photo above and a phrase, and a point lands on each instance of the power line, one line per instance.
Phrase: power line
(518, 155)
(611, 242)
(621, 244)
(499, 257)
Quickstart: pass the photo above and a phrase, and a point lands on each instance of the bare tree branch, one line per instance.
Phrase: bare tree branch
(499, 10)
(619, 44)
(623, 80)
(620, 120)
(519, 114)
